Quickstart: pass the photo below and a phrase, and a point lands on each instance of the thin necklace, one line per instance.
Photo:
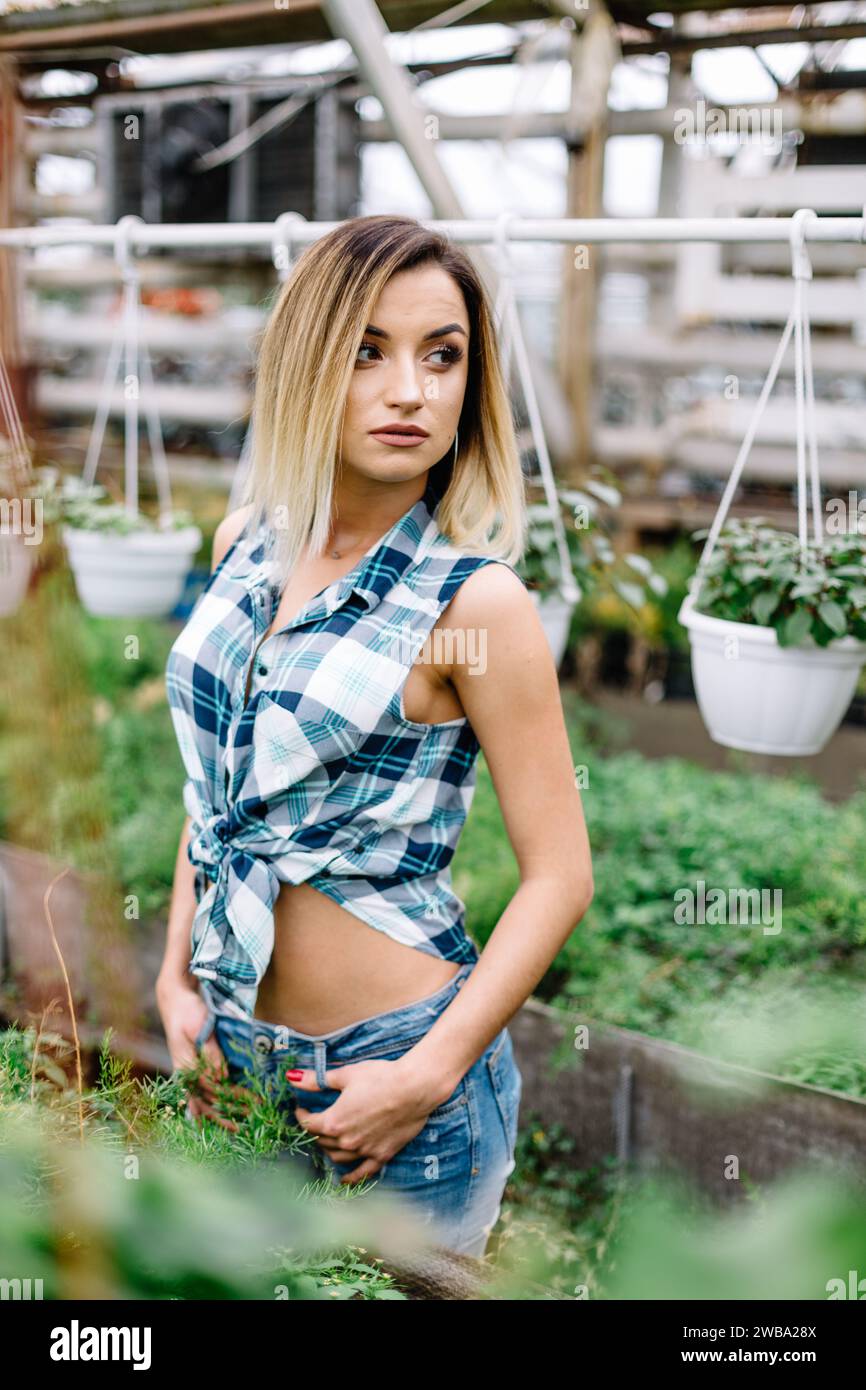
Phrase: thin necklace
(338, 554)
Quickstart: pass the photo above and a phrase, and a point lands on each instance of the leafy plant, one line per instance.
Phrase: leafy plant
(74, 503)
(759, 574)
(657, 826)
(593, 558)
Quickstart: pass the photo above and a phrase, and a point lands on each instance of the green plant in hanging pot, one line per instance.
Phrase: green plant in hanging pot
(759, 575)
(595, 565)
(88, 507)
(778, 632)
(125, 564)
(776, 621)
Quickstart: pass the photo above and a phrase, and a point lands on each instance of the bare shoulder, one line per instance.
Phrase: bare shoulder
(228, 531)
(492, 594)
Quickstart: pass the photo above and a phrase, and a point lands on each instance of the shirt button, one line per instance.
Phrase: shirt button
(262, 670)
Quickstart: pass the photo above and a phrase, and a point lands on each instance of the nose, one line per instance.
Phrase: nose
(403, 387)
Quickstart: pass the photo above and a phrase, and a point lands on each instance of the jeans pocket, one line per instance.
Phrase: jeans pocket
(506, 1083)
(458, 1098)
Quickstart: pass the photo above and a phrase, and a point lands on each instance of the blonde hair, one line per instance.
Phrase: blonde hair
(306, 359)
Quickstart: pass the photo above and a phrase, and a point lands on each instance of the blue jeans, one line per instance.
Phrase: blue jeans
(454, 1170)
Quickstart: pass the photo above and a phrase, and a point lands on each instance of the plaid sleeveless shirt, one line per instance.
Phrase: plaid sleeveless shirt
(319, 776)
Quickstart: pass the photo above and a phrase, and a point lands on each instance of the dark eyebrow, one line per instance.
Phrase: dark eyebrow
(437, 332)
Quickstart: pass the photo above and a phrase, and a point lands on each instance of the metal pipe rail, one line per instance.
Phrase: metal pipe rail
(568, 230)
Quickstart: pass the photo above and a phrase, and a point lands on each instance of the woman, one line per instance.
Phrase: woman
(362, 635)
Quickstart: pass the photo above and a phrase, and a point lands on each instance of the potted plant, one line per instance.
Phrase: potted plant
(593, 559)
(125, 564)
(778, 636)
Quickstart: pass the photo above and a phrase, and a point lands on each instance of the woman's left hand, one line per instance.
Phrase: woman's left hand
(381, 1107)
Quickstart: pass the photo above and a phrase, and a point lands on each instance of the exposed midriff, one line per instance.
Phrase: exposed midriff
(330, 969)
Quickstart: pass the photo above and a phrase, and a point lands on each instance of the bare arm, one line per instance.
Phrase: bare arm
(180, 914)
(515, 708)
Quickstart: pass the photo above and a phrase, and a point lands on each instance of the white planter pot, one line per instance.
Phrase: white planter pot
(555, 613)
(16, 563)
(755, 695)
(140, 575)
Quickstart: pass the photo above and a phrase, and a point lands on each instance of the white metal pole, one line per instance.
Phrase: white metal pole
(144, 236)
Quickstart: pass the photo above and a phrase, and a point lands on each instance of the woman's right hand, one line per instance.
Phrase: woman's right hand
(183, 1013)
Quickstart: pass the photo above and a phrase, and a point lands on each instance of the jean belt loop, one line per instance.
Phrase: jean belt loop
(321, 1063)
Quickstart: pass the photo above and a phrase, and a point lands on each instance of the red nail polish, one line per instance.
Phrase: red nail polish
(294, 1075)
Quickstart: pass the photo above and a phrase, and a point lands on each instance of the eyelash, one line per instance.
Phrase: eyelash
(454, 353)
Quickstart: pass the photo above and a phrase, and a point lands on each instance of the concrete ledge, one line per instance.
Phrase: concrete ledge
(661, 1106)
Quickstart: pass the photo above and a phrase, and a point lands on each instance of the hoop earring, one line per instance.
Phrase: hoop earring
(456, 444)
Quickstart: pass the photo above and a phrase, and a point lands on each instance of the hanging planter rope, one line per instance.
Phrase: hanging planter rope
(753, 693)
(16, 467)
(513, 340)
(283, 256)
(136, 571)
(137, 370)
(19, 464)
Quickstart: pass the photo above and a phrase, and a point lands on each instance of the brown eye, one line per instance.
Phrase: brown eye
(366, 347)
(452, 354)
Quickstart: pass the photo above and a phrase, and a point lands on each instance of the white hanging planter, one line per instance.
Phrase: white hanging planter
(555, 614)
(16, 564)
(753, 693)
(139, 572)
(758, 696)
(138, 575)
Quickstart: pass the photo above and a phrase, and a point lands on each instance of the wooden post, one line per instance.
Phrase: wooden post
(579, 297)
(593, 54)
(11, 152)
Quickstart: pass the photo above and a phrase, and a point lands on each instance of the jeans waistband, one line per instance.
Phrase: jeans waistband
(365, 1035)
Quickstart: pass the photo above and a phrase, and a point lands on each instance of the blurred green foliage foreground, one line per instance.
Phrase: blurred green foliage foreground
(114, 1194)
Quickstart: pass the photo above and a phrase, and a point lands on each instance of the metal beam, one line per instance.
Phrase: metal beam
(818, 117)
(362, 26)
(743, 38)
(536, 124)
(181, 26)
